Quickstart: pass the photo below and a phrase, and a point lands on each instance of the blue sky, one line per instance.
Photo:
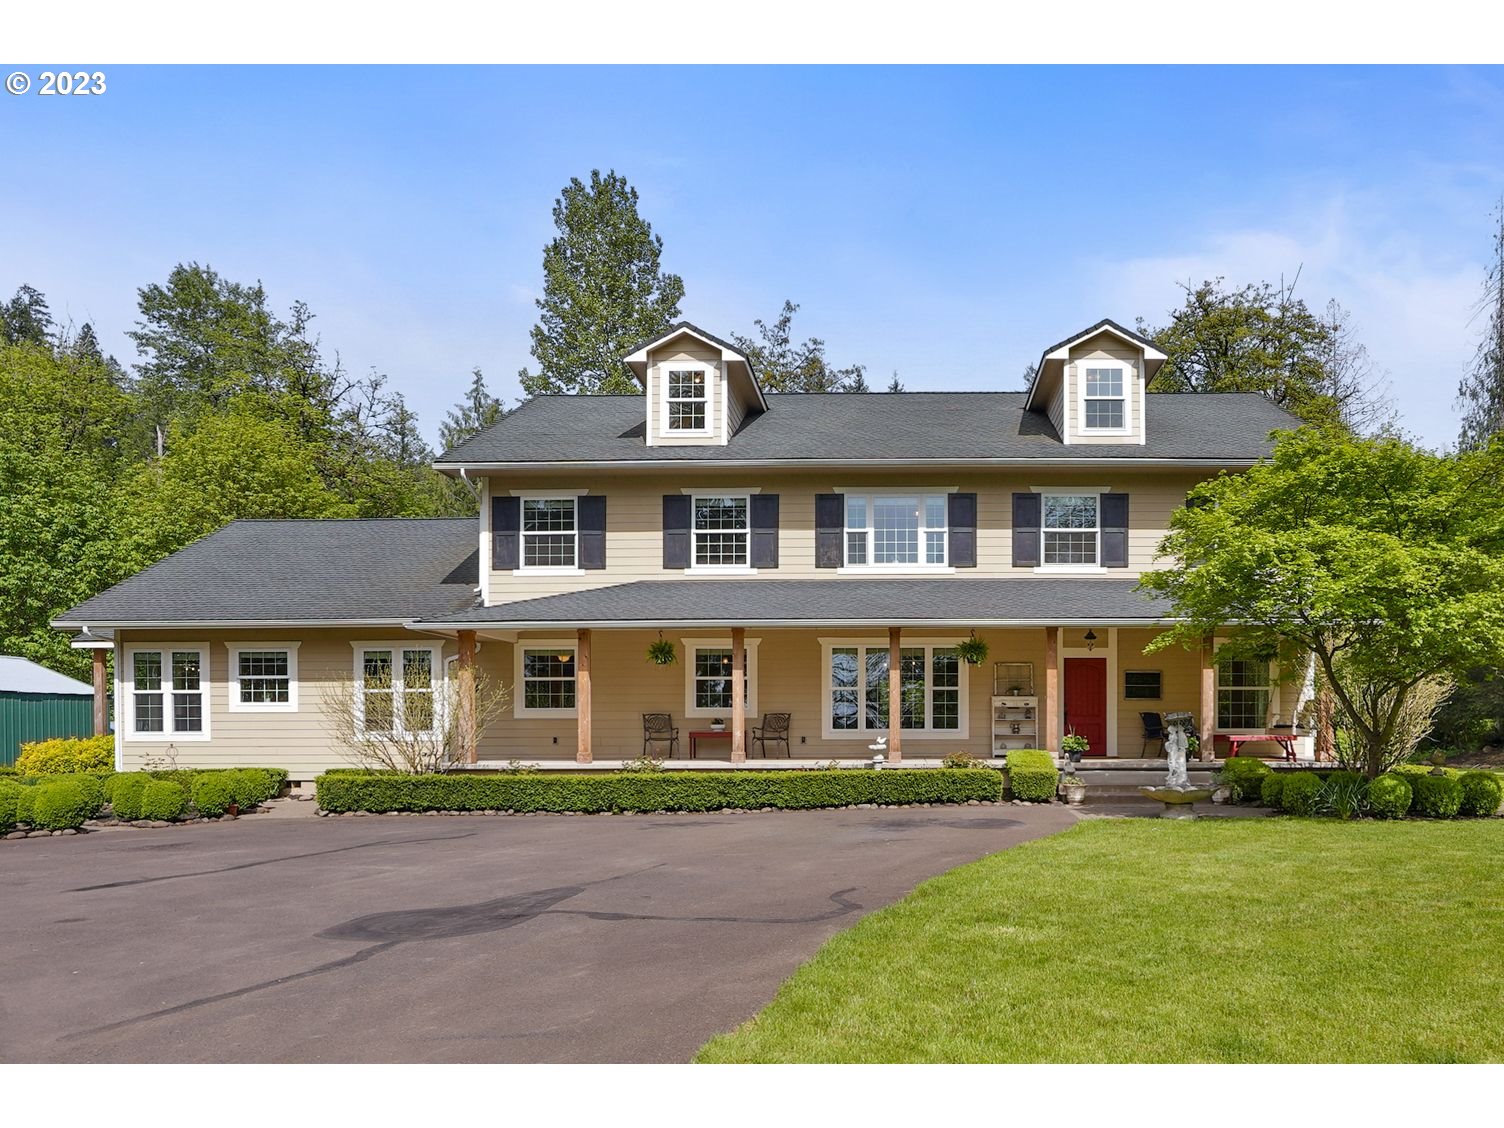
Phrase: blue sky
(944, 222)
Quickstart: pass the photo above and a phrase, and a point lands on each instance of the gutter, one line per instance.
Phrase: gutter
(851, 464)
(888, 621)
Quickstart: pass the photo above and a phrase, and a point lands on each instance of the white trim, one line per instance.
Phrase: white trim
(1114, 692)
(1127, 372)
(519, 709)
(896, 569)
(731, 491)
(929, 644)
(1071, 569)
(722, 622)
(1273, 687)
(526, 569)
(485, 540)
(696, 568)
(662, 464)
(119, 716)
(232, 678)
(886, 489)
(549, 571)
(125, 704)
(721, 643)
(1063, 351)
(548, 495)
(437, 669)
(919, 565)
(1072, 490)
(1044, 529)
(712, 373)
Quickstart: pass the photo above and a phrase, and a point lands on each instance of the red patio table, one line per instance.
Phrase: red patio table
(1285, 740)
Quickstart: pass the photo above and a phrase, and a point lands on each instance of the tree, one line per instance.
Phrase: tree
(26, 318)
(858, 383)
(783, 366)
(478, 410)
(1383, 561)
(604, 291)
(1031, 371)
(1261, 338)
(895, 385)
(1481, 392)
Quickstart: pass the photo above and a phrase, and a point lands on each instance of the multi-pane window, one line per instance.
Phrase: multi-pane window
(1242, 694)
(687, 399)
(397, 690)
(167, 691)
(1070, 528)
(929, 691)
(550, 537)
(264, 677)
(1142, 685)
(548, 678)
(720, 532)
(712, 679)
(1102, 399)
(895, 529)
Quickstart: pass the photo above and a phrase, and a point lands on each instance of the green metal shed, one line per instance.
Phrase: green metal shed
(38, 704)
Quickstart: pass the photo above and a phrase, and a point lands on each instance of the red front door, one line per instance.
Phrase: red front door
(1086, 701)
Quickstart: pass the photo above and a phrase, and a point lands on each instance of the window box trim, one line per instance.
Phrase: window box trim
(665, 418)
(526, 569)
(519, 709)
(722, 643)
(438, 670)
(232, 680)
(929, 644)
(1095, 493)
(1130, 374)
(694, 495)
(1273, 688)
(870, 497)
(126, 699)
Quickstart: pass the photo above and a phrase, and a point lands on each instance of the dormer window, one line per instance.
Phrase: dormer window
(1102, 399)
(687, 399)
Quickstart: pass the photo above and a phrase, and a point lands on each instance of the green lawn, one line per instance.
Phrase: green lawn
(1220, 940)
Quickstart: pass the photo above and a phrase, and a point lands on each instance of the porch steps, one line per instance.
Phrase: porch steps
(1120, 782)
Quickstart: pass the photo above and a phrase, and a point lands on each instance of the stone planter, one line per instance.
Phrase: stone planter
(1073, 795)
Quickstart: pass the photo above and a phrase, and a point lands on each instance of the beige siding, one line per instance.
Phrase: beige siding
(1180, 684)
(1108, 347)
(685, 353)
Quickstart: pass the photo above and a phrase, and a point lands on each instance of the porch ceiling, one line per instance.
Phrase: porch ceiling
(1026, 601)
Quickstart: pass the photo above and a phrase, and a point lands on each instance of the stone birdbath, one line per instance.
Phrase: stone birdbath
(1177, 794)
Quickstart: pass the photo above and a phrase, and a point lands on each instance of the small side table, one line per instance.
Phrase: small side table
(704, 734)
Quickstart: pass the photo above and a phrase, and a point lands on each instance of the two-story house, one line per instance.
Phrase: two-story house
(811, 555)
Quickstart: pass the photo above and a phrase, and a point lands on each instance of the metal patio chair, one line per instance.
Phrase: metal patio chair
(658, 728)
(774, 727)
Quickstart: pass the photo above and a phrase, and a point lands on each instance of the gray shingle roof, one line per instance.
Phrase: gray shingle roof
(945, 427)
(292, 571)
(896, 601)
(22, 675)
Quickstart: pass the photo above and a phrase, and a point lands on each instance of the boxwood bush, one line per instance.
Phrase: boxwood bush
(1272, 789)
(65, 756)
(1032, 775)
(1389, 796)
(252, 786)
(7, 812)
(163, 799)
(1245, 775)
(125, 794)
(1436, 797)
(213, 793)
(64, 804)
(653, 791)
(1481, 794)
(1300, 793)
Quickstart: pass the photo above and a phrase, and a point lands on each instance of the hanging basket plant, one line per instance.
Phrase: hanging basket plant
(662, 652)
(973, 651)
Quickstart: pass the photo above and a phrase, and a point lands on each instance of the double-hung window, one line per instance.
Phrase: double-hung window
(932, 690)
(550, 532)
(397, 689)
(545, 679)
(1103, 405)
(166, 692)
(264, 677)
(1071, 529)
(720, 531)
(896, 530)
(688, 400)
(708, 675)
(1243, 690)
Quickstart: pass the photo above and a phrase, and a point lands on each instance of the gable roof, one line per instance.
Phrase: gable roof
(315, 571)
(638, 355)
(1059, 350)
(941, 428)
(22, 675)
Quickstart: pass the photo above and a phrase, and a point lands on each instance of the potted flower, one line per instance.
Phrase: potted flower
(717, 724)
(1073, 788)
(662, 653)
(1075, 746)
(973, 651)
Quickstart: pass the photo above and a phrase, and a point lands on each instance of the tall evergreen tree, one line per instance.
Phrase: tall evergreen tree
(26, 318)
(472, 415)
(858, 383)
(1481, 392)
(604, 291)
(895, 385)
(783, 366)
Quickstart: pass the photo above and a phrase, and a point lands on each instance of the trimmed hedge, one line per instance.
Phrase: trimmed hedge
(7, 812)
(64, 804)
(67, 755)
(126, 790)
(1272, 790)
(1436, 797)
(213, 794)
(252, 786)
(1032, 775)
(1300, 793)
(1481, 794)
(163, 799)
(1389, 796)
(653, 791)
(1245, 775)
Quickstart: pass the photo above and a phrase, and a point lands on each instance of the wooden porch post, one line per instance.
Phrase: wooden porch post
(583, 753)
(1208, 700)
(1051, 706)
(464, 675)
(895, 696)
(738, 695)
(101, 695)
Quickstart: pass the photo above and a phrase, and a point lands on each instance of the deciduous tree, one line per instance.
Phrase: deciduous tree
(783, 366)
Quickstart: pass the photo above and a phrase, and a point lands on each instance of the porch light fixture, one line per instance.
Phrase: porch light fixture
(1091, 640)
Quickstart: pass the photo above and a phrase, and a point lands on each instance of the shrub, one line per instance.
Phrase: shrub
(1271, 790)
(251, 786)
(65, 756)
(25, 797)
(1436, 797)
(1389, 796)
(163, 799)
(964, 759)
(64, 804)
(1343, 795)
(125, 794)
(1300, 793)
(655, 791)
(1245, 775)
(7, 812)
(1032, 775)
(1481, 794)
(212, 794)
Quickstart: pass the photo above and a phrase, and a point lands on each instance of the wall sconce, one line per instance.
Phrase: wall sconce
(1091, 640)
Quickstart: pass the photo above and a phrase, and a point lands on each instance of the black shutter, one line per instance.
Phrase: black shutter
(764, 530)
(830, 529)
(506, 520)
(676, 530)
(962, 521)
(1114, 511)
(590, 512)
(1026, 522)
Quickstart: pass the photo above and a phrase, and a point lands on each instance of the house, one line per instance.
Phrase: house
(815, 555)
(39, 704)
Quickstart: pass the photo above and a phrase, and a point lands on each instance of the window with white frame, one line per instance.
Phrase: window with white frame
(264, 677)
(550, 532)
(1070, 528)
(397, 689)
(545, 679)
(708, 676)
(1243, 691)
(167, 692)
(896, 530)
(932, 690)
(720, 530)
(688, 400)
(1103, 405)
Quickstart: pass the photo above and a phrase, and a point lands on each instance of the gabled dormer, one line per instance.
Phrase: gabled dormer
(698, 388)
(1092, 385)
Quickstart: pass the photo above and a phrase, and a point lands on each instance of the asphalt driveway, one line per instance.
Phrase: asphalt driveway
(542, 939)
